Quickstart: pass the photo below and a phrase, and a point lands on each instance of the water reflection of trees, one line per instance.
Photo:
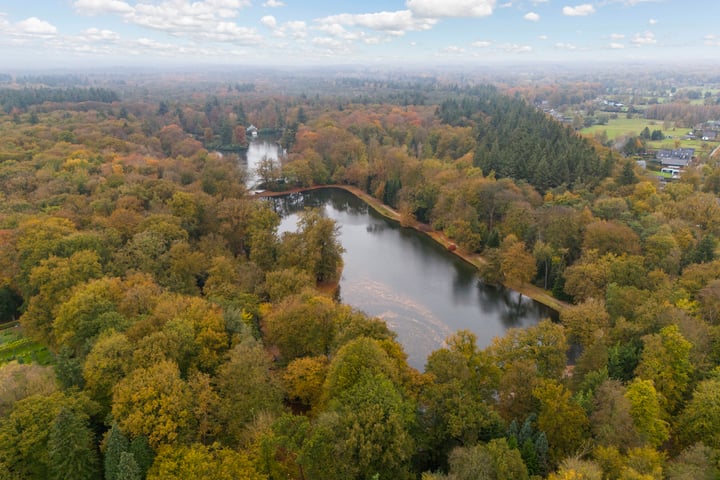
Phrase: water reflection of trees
(512, 308)
(343, 201)
(338, 200)
(287, 204)
(375, 228)
(516, 308)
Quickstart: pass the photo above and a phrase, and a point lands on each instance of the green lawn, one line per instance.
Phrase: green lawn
(660, 174)
(633, 126)
(15, 346)
(627, 126)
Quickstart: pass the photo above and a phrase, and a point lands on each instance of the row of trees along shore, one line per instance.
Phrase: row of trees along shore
(188, 337)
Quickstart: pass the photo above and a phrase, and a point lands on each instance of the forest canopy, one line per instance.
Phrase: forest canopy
(188, 337)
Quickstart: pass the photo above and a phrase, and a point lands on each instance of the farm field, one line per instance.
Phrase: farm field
(628, 126)
(15, 346)
(633, 126)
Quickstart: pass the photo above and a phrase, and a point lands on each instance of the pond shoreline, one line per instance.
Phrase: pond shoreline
(531, 291)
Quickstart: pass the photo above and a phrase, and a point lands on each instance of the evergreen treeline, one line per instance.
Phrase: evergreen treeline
(27, 97)
(516, 140)
(55, 81)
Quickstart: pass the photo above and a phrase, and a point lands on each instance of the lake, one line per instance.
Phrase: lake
(421, 290)
(258, 148)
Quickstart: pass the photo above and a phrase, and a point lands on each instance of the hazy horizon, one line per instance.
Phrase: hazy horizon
(116, 34)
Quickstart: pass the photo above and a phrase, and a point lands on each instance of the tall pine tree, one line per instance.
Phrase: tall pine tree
(71, 450)
(116, 444)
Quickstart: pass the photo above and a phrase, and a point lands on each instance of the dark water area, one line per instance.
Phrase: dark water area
(421, 290)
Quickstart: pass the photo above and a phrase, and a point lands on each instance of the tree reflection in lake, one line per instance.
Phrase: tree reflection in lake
(421, 290)
(258, 149)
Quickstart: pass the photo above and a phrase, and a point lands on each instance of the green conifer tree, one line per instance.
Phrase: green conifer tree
(70, 447)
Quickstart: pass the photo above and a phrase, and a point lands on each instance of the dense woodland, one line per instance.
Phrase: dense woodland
(189, 338)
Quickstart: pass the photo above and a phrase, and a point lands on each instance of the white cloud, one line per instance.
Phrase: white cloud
(481, 44)
(92, 41)
(97, 35)
(542, 37)
(617, 36)
(174, 17)
(269, 21)
(230, 32)
(33, 26)
(330, 48)
(296, 25)
(451, 8)
(453, 50)
(297, 28)
(712, 40)
(396, 23)
(80, 46)
(652, 21)
(205, 19)
(338, 31)
(325, 41)
(565, 46)
(515, 48)
(149, 47)
(532, 16)
(646, 38)
(97, 7)
(616, 46)
(536, 2)
(145, 44)
(579, 10)
(505, 5)
(628, 3)
(273, 4)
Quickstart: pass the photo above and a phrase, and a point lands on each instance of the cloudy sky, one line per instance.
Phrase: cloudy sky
(96, 33)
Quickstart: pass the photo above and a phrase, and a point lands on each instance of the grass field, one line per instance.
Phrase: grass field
(15, 346)
(633, 126)
(629, 126)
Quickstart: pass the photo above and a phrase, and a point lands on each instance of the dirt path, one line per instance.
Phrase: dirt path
(529, 290)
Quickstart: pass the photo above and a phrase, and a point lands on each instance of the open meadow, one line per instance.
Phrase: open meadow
(15, 346)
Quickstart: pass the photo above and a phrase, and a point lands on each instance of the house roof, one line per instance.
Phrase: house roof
(679, 157)
(681, 153)
(674, 162)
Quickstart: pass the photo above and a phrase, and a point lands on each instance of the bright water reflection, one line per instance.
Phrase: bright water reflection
(258, 149)
(422, 291)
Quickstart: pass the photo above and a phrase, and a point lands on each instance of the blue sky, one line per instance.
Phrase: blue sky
(107, 33)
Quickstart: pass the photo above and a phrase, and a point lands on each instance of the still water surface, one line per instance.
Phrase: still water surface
(421, 290)
(258, 148)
